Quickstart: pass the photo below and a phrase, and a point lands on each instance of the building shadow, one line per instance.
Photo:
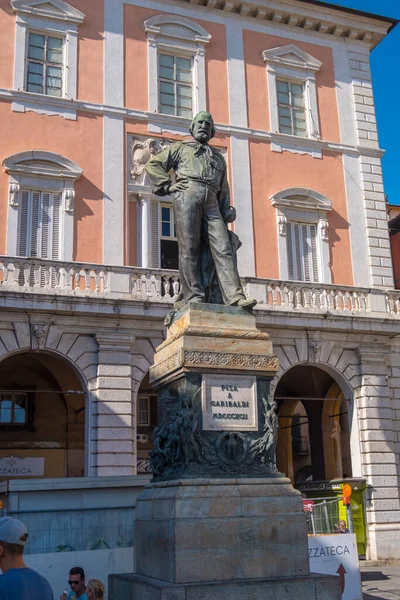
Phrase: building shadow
(373, 576)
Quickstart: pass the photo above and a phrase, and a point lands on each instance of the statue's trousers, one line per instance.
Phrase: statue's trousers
(197, 215)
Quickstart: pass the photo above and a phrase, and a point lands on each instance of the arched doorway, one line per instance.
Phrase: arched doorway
(42, 417)
(314, 437)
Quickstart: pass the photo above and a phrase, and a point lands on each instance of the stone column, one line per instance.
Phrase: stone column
(114, 413)
(145, 249)
(316, 442)
(378, 459)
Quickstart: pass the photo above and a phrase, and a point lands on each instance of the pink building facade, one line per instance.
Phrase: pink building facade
(88, 92)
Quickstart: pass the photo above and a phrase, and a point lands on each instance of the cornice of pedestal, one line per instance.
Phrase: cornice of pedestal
(207, 338)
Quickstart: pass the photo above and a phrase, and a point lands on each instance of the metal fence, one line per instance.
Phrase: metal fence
(324, 516)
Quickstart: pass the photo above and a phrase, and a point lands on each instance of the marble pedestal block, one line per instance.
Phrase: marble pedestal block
(222, 539)
(199, 530)
(313, 587)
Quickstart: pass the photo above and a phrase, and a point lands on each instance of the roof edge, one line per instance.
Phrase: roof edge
(354, 11)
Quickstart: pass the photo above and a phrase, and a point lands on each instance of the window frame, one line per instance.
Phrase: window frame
(308, 207)
(30, 410)
(62, 23)
(292, 107)
(148, 411)
(182, 38)
(172, 221)
(290, 63)
(45, 62)
(170, 238)
(175, 83)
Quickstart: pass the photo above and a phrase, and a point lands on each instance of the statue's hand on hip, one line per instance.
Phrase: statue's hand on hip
(180, 186)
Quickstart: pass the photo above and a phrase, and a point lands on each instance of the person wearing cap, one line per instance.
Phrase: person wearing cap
(17, 581)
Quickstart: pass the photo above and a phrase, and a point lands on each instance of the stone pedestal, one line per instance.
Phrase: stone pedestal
(199, 530)
(212, 377)
(313, 587)
(218, 520)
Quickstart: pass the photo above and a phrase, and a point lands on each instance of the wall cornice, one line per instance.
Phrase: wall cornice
(296, 14)
(164, 124)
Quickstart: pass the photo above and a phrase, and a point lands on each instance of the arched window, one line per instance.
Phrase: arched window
(303, 238)
(41, 205)
(177, 77)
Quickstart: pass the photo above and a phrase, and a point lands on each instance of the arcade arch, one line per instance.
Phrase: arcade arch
(43, 413)
(314, 433)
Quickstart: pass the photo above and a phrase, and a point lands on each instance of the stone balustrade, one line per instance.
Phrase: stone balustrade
(32, 275)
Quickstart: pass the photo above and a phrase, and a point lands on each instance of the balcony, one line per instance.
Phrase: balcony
(40, 276)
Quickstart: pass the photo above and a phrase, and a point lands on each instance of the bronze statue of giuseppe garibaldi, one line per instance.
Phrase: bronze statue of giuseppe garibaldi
(202, 210)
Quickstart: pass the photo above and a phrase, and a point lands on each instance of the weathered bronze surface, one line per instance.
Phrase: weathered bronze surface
(202, 210)
(182, 449)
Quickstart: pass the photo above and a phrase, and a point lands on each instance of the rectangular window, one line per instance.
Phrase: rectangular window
(301, 240)
(13, 408)
(44, 74)
(291, 108)
(175, 85)
(168, 241)
(144, 415)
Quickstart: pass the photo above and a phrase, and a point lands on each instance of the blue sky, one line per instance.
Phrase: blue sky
(386, 82)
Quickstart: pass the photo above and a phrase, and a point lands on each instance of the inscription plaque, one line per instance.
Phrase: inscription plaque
(229, 402)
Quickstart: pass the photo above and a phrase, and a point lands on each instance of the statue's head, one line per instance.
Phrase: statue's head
(202, 127)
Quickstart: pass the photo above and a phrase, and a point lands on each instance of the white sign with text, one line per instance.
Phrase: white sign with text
(337, 555)
(13, 466)
(229, 402)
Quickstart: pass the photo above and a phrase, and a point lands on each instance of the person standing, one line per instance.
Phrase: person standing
(95, 590)
(77, 584)
(18, 582)
(342, 528)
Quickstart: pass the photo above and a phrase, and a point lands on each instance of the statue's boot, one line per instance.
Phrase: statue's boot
(246, 303)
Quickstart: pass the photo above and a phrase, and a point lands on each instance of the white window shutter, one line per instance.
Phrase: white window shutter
(40, 231)
(289, 249)
(24, 229)
(34, 250)
(314, 253)
(46, 223)
(306, 253)
(155, 234)
(297, 249)
(55, 242)
(302, 252)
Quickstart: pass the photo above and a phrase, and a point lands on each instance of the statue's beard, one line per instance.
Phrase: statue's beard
(202, 137)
